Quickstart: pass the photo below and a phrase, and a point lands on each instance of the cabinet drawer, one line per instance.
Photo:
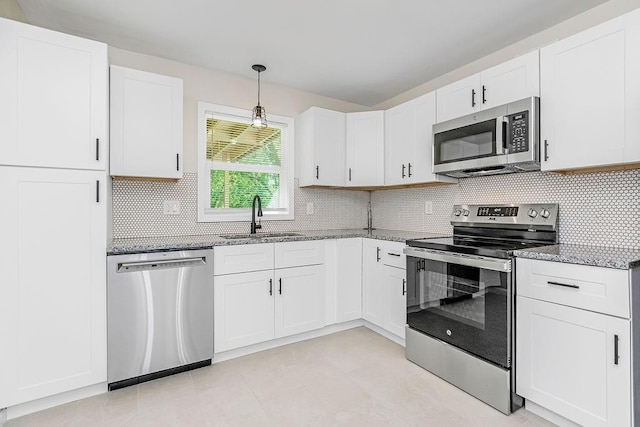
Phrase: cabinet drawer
(603, 290)
(296, 254)
(242, 258)
(393, 255)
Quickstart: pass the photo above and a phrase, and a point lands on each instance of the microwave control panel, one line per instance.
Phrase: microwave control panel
(518, 132)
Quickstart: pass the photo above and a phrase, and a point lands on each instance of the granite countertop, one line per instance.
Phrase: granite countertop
(207, 241)
(599, 256)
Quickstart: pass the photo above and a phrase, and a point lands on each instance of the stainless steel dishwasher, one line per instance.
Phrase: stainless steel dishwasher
(160, 314)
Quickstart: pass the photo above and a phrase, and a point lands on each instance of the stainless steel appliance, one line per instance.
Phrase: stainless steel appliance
(460, 323)
(160, 314)
(498, 140)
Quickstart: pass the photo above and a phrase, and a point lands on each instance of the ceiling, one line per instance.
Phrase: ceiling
(362, 51)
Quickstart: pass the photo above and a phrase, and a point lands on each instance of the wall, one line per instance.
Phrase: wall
(595, 209)
(591, 17)
(11, 9)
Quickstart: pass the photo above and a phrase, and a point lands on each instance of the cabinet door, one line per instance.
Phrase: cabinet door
(329, 147)
(398, 144)
(243, 309)
(582, 80)
(299, 305)
(511, 81)
(373, 290)
(459, 98)
(566, 362)
(53, 108)
(348, 279)
(365, 149)
(395, 298)
(146, 124)
(53, 275)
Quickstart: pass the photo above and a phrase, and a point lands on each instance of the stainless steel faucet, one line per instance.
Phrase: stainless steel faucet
(255, 226)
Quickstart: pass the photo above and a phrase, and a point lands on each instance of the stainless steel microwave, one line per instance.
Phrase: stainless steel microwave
(502, 139)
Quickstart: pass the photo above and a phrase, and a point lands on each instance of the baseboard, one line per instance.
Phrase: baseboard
(55, 400)
(548, 415)
(331, 329)
(377, 329)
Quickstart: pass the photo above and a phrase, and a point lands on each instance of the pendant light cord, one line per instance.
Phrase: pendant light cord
(258, 88)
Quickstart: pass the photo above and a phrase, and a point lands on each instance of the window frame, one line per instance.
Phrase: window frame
(223, 112)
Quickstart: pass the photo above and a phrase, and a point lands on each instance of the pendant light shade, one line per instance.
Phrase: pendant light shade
(259, 115)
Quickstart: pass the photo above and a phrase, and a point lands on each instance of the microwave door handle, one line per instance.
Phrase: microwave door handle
(501, 135)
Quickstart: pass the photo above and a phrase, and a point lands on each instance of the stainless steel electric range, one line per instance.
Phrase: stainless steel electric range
(460, 297)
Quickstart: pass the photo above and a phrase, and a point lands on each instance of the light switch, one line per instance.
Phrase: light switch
(428, 207)
(309, 208)
(171, 207)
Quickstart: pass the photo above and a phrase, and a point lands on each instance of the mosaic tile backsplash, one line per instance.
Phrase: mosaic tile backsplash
(137, 210)
(601, 209)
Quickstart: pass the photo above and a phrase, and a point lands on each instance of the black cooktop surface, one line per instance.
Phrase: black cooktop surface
(490, 247)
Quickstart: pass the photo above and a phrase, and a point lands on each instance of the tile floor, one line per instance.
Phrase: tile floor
(351, 378)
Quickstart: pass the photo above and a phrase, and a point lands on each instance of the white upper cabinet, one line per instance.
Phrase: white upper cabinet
(146, 124)
(507, 82)
(590, 101)
(365, 149)
(409, 142)
(53, 103)
(320, 147)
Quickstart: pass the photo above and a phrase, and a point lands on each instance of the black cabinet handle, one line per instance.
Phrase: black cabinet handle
(484, 92)
(377, 254)
(404, 286)
(97, 149)
(403, 168)
(97, 191)
(349, 174)
(317, 172)
(473, 97)
(409, 170)
(280, 289)
(565, 285)
(546, 149)
(392, 254)
(616, 355)
(177, 161)
(270, 286)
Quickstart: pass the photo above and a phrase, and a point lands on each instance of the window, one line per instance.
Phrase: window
(237, 161)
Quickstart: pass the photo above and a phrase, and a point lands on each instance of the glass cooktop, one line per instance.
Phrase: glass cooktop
(475, 246)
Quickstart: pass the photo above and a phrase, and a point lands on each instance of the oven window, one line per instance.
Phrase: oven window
(469, 142)
(463, 306)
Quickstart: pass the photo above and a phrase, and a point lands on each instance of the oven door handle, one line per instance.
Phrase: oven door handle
(485, 263)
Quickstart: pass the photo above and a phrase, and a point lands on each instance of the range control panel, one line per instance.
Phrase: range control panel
(518, 132)
(523, 216)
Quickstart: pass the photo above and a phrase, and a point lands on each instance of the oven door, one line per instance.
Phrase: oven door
(462, 300)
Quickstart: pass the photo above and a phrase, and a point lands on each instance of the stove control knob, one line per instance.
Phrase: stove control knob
(465, 212)
(545, 213)
(457, 212)
(532, 213)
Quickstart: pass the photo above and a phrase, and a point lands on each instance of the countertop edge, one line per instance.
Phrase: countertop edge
(589, 260)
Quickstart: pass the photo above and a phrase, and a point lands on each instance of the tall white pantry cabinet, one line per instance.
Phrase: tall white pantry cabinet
(53, 133)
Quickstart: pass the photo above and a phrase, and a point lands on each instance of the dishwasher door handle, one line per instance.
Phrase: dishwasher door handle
(127, 267)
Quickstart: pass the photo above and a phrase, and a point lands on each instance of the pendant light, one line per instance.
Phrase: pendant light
(259, 115)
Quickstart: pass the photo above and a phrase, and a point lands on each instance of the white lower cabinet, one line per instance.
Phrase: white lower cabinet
(259, 306)
(52, 282)
(395, 285)
(384, 285)
(299, 302)
(243, 309)
(572, 361)
(348, 279)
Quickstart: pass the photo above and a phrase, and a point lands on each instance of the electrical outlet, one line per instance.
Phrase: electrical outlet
(309, 208)
(428, 207)
(171, 207)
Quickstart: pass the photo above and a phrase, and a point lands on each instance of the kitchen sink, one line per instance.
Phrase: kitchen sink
(257, 235)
